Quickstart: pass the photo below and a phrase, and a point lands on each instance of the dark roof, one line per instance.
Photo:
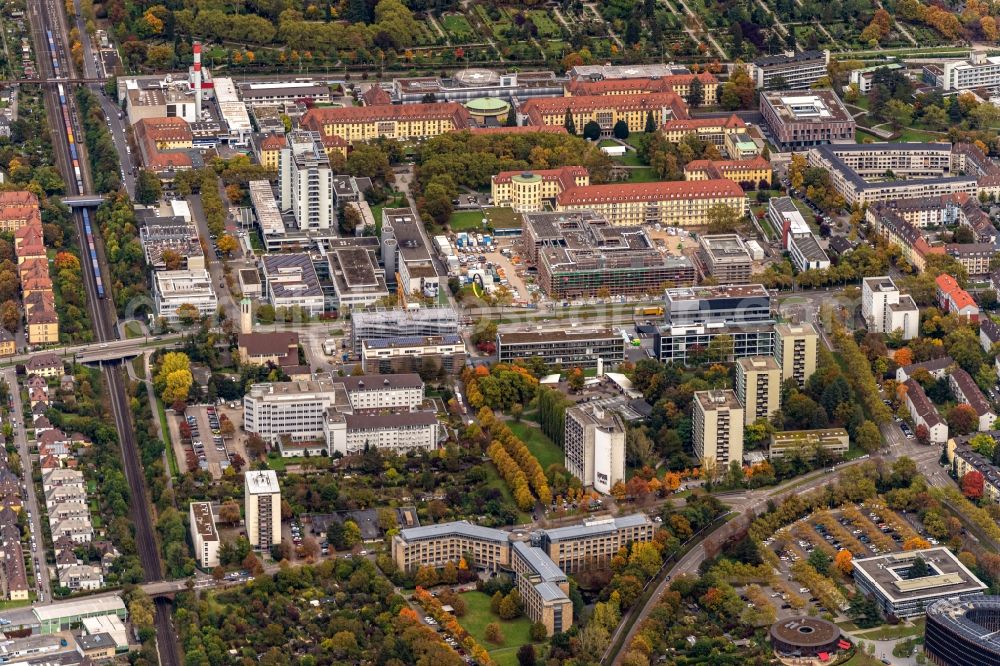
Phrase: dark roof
(990, 328)
(840, 244)
(43, 362)
(932, 365)
(400, 420)
(925, 408)
(279, 343)
(972, 394)
(782, 59)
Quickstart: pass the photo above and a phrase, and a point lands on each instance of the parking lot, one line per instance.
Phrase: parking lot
(205, 448)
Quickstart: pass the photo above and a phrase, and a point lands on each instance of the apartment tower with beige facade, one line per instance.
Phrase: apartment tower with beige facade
(718, 428)
(795, 348)
(758, 387)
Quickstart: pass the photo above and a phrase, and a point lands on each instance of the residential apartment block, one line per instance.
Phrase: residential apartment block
(953, 299)
(966, 391)
(306, 181)
(718, 429)
(885, 309)
(262, 508)
(799, 120)
(795, 349)
(920, 170)
(924, 413)
(595, 447)
(569, 347)
(758, 387)
(204, 535)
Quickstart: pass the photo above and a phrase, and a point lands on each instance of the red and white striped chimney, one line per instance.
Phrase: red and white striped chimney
(197, 79)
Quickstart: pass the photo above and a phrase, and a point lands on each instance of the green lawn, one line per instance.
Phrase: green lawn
(919, 136)
(394, 201)
(642, 175)
(133, 330)
(546, 26)
(277, 462)
(515, 632)
(892, 633)
(458, 26)
(466, 220)
(495, 481)
(541, 447)
(175, 469)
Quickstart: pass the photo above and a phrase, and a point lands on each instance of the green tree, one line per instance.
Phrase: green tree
(511, 117)
(148, 188)
(695, 96)
(650, 123)
(868, 437)
(620, 130)
(592, 130)
(568, 122)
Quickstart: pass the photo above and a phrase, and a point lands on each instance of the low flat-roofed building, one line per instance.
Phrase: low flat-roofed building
(802, 119)
(357, 278)
(172, 247)
(266, 211)
(291, 281)
(62, 616)
(413, 354)
(594, 541)
(401, 323)
(473, 83)
(175, 289)
(569, 347)
(279, 92)
(250, 283)
(806, 252)
(436, 545)
(886, 578)
(726, 258)
(581, 254)
(96, 647)
(834, 442)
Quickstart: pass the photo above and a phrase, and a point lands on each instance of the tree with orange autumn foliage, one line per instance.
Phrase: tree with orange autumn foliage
(903, 356)
(916, 543)
(843, 563)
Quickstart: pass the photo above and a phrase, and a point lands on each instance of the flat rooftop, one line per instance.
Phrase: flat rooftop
(715, 399)
(817, 106)
(204, 521)
(721, 291)
(262, 482)
(598, 527)
(888, 573)
(758, 363)
(789, 330)
(806, 436)
(557, 335)
(725, 248)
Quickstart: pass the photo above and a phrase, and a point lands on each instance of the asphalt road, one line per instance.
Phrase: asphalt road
(43, 582)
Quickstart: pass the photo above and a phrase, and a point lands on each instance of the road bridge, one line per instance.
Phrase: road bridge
(83, 200)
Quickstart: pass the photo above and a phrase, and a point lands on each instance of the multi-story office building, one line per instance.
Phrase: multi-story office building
(725, 257)
(668, 203)
(979, 71)
(758, 387)
(570, 348)
(885, 579)
(290, 281)
(436, 545)
(795, 349)
(580, 254)
(605, 110)
(807, 443)
(357, 278)
(595, 446)
(401, 323)
(885, 309)
(262, 508)
(413, 354)
(920, 170)
(400, 433)
(799, 120)
(527, 191)
(595, 542)
(204, 536)
(543, 586)
(718, 429)
(955, 633)
(407, 258)
(864, 77)
(173, 290)
(696, 316)
(393, 121)
(306, 181)
(790, 70)
(298, 411)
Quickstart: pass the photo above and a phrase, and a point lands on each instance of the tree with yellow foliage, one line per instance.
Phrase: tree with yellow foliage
(916, 543)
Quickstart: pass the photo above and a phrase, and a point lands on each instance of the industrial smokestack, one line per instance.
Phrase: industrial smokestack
(197, 79)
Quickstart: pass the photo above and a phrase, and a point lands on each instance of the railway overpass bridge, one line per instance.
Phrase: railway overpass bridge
(83, 200)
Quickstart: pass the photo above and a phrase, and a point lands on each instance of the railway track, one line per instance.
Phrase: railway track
(49, 37)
